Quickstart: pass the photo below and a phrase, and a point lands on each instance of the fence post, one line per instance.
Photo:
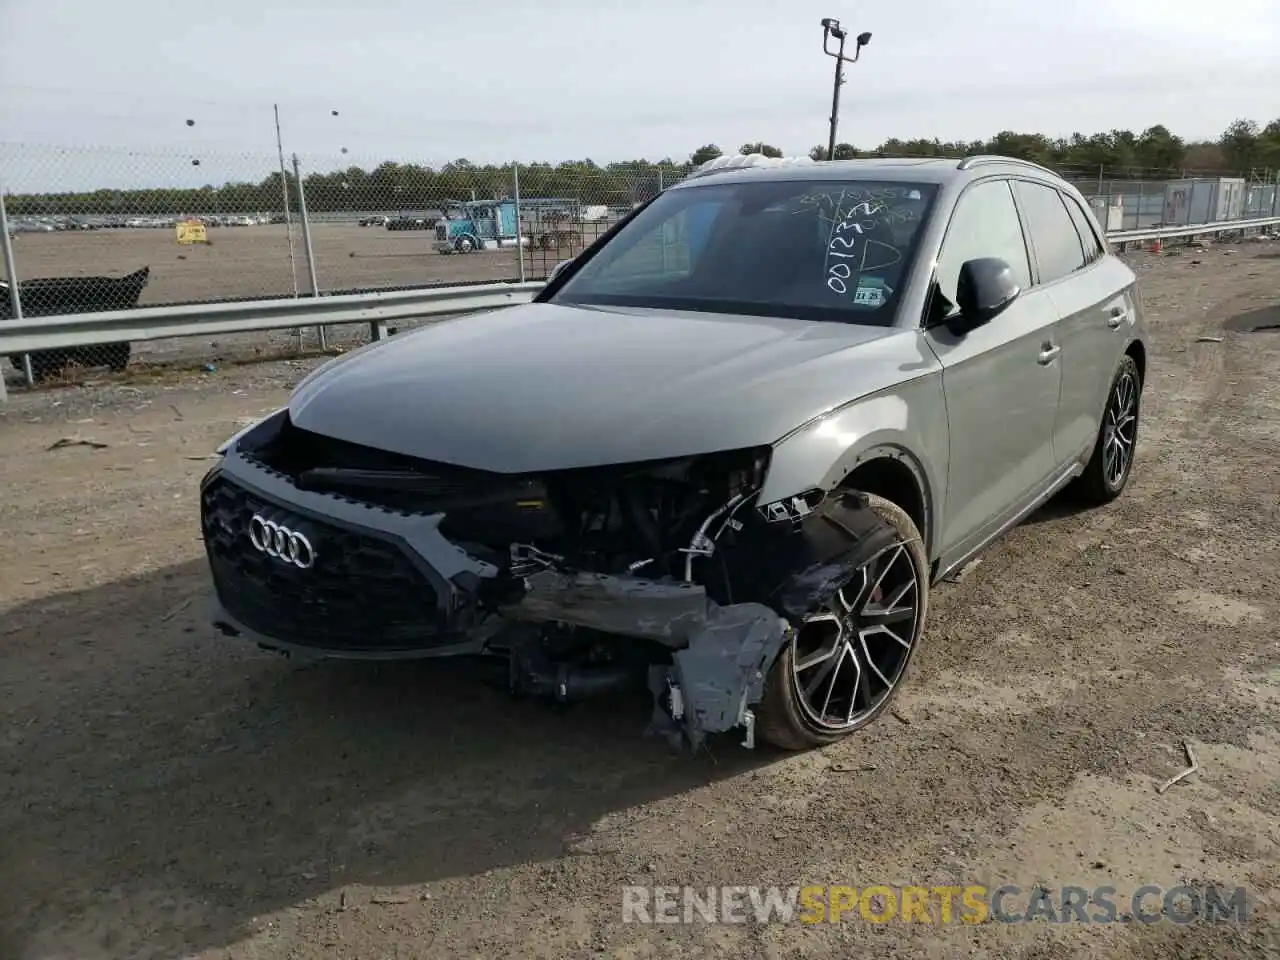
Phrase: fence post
(515, 183)
(15, 295)
(284, 193)
(306, 241)
(288, 217)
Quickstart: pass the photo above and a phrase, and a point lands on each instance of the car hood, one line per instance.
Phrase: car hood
(545, 387)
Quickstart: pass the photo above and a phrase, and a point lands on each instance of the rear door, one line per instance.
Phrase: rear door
(1072, 269)
(1001, 380)
(1113, 285)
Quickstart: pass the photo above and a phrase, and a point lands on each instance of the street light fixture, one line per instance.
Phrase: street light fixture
(831, 30)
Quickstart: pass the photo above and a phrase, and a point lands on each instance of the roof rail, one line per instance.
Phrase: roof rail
(981, 158)
(740, 162)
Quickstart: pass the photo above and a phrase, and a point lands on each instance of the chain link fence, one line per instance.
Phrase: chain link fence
(1135, 198)
(94, 229)
(101, 229)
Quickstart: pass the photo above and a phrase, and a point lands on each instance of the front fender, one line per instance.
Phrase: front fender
(907, 422)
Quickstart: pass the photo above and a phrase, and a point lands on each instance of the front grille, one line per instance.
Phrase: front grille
(362, 593)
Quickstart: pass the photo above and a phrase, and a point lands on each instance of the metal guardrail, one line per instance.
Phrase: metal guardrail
(153, 323)
(1194, 230)
(28, 334)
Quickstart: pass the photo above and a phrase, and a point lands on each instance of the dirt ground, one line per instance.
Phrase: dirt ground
(164, 792)
(249, 262)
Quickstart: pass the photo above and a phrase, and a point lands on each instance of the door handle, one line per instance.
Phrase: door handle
(1048, 352)
(1116, 317)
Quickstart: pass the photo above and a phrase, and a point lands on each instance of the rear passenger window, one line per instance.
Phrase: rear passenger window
(1053, 234)
(984, 224)
(1093, 249)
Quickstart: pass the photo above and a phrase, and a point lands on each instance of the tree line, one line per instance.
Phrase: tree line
(1244, 148)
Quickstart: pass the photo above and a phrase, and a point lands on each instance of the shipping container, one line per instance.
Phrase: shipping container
(1203, 200)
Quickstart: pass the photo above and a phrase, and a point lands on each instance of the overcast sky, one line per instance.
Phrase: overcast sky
(608, 79)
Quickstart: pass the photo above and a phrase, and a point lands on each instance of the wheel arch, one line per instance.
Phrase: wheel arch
(884, 465)
(1138, 350)
(894, 474)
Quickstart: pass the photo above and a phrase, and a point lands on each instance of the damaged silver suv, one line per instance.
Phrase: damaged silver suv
(724, 454)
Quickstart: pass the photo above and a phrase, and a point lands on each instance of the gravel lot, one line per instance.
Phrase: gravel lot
(248, 262)
(164, 793)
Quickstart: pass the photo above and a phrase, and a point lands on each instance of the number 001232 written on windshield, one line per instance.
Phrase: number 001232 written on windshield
(811, 250)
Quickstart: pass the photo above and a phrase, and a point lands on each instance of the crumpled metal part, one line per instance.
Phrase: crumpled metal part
(716, 680)
(719, 676)
(668, 612)
(721, 655)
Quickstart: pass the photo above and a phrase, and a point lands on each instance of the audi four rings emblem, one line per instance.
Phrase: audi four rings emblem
(276, 540)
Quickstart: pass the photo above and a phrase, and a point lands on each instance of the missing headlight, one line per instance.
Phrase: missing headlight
(793, 508)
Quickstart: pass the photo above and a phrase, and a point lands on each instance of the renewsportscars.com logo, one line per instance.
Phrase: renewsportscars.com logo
(971, 904)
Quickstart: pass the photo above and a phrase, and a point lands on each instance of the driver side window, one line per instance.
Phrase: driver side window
(984, 224)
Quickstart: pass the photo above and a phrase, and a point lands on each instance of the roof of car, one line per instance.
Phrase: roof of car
(914, 169)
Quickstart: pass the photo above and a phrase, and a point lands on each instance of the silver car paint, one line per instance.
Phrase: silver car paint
(907, 422)
(977, 418)
(542, 386)
(1097, 307)
(1001, 402)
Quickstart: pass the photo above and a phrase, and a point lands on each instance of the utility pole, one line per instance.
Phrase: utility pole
(831, 29)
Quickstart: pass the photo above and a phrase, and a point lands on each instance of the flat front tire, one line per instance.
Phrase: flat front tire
(849, 654)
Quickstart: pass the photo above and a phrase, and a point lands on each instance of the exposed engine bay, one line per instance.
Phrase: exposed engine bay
(609, 520)
(664, 574)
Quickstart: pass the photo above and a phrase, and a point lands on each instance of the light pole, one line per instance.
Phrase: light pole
(831, 29)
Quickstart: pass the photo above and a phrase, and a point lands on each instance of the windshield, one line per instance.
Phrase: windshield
(811, 250)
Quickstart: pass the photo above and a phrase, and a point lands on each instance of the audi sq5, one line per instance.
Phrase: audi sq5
(724, 454)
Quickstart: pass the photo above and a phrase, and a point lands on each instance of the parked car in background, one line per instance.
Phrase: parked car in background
(423, 222)
(726, 452)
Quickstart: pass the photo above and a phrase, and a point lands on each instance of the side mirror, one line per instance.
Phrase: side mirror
(558, 269)
(985, 289)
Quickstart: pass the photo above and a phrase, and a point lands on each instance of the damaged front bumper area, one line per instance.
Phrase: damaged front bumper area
(316, 574)
(721, 654)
